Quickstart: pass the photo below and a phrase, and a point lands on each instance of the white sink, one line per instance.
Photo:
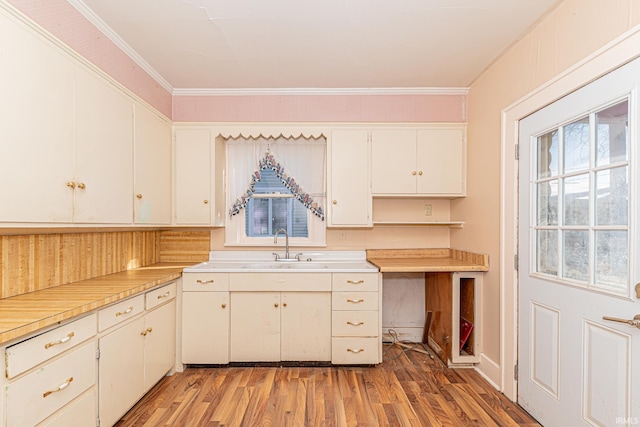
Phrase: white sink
(262, 261)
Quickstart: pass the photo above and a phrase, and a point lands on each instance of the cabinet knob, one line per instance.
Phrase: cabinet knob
(223, 305)
(276, 305)
(82, 186)
(413, 173)
(420, 173)
(284, 304)
(335, 202)
(71, 184)
(139, 196)
(206, 202)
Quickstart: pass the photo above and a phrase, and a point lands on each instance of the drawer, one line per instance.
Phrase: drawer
(205, 282)
(276, 282)
(120, 312)
(80, 412)
(355, 351)
(355, 324)
(159, 296)
(355, 282)
(39, 394)
(341, 301)
(25, 355)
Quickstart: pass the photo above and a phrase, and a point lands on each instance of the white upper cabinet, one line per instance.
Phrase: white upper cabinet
(428, 162)
(104, 152)
(36, 117)
(152, 168)
(349, 186)
(193, 171)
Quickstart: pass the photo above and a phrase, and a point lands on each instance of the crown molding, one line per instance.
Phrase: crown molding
(120, 43)
(323, 91)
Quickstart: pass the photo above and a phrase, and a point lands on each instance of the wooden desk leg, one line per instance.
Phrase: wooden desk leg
(427, 326)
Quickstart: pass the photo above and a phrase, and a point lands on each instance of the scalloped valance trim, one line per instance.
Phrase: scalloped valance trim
(269, 136)
(269, 161)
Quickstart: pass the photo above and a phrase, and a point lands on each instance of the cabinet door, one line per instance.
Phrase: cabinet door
(205, 327)
(255, 326)
(159, 343)
(36, 118)
(350, 179)
(152, 168)
(393, 161)
(193, 176)
(441, 156)
(306, 326)
(104, 152)
(121, 371)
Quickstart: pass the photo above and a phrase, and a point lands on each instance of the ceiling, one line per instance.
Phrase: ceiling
(322, 44)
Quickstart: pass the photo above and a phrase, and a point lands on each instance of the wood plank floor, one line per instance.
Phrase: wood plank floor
(407, 389)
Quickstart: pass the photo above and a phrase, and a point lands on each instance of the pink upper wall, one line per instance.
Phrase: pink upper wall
(321, 108)
(63, 21)
(67, 24)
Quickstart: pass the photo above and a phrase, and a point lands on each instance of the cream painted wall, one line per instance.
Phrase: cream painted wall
(571, 32)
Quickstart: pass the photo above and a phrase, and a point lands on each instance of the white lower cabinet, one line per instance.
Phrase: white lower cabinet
(205, 318)
(280, 326)
(33, 397)
(356, 318)
(136, 354)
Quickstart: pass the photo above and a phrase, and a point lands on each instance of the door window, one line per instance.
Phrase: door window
(581, 195)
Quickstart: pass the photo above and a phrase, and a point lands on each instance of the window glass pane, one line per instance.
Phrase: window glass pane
(576, 145)
(257, 218)
(576, 200)
(612, 258)
(548, 154)
(612, 134)
(280, 215)
(612, 196)
(576, 254)
(299, 226)
(547, 248)
(548, 203)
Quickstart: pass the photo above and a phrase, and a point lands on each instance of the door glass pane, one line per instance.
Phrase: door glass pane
(576, 145)
(548, 154)
(576, 200)
(612, 196)
(547, 249)
(576, 255)
(548, 203)
(612, 259)
(612, 130)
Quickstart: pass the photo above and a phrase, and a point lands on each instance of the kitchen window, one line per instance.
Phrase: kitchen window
(276, 183)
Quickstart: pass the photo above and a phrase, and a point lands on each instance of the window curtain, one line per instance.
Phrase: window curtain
(299, 162)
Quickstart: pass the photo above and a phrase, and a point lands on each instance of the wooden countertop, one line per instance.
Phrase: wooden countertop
(426, 260)
(24, 314)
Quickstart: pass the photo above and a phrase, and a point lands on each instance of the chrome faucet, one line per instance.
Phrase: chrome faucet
(286, 242)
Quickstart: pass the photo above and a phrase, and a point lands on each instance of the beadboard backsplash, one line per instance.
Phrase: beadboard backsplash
(38, 261)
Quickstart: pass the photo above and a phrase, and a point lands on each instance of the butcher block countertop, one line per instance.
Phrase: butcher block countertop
(426, 260)
(24, 314)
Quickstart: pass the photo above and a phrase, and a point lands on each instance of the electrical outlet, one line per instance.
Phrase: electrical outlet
(427, 210)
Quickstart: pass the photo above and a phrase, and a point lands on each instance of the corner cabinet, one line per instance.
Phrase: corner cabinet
(349, 184)
(427, 162)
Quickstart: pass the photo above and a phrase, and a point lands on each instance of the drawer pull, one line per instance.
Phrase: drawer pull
(60, 341)
(60, 387)
(146, 331)
(127, 311)
(359, 350)
(355, 301)
(355, 323)
(204, 282)
(166, 294)
(355, 282)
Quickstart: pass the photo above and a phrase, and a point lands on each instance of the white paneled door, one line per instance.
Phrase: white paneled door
(579, 256)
